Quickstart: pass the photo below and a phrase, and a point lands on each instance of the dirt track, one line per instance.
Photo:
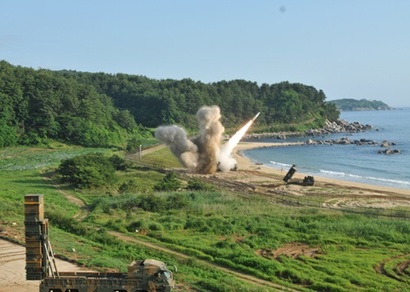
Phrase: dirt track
(12, 267)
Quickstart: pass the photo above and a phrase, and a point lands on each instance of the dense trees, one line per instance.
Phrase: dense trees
(155, 102)
(37, 105)
(98, 109)
(350, 104)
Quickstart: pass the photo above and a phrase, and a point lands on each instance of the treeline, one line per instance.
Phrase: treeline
(156, 102)
(99, 109)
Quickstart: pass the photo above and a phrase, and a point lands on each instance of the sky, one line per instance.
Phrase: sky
(347, 48)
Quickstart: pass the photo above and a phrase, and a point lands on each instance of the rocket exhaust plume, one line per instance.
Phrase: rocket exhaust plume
(227, 162)
(256, 116)
(203, 154)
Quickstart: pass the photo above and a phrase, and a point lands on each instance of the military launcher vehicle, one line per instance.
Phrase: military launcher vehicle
(142, 275)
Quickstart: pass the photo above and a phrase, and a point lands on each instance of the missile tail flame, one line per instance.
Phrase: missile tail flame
(225, 159)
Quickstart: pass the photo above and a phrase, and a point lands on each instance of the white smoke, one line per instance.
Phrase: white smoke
(227, 162)
(176, 139)
(203, 154)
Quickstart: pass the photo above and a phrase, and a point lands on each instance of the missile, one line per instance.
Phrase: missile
(257, 115)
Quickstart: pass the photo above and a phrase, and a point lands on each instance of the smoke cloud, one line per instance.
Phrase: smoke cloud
(204, 153)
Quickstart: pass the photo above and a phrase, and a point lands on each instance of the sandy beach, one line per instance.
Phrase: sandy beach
(245, 163)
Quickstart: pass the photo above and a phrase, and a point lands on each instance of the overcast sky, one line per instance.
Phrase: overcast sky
(348, 48)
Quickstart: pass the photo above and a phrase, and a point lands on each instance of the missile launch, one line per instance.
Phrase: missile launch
(204, 153)
(225, 160)
(257, 115)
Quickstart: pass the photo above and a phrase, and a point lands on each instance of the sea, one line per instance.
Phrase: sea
(354, 163)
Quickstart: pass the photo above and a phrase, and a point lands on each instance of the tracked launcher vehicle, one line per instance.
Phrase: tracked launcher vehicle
(143, 275)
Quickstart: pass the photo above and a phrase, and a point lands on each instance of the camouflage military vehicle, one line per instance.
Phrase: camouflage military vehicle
(142, 275)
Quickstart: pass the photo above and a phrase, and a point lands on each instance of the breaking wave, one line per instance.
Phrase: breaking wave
(344, 175)
(364, 179)
(280, 165)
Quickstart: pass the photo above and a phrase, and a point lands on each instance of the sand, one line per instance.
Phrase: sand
(245, 163)
(12, 267)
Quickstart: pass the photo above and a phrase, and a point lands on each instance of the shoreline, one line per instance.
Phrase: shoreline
(247, 164)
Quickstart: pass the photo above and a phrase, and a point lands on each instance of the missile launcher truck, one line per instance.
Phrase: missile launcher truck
(142, 275)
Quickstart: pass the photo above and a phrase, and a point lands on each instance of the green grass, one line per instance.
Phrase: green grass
(227, 231)
(160, 159)
(217, 226)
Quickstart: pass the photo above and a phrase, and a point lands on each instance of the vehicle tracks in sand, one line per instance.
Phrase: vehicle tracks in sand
(12, 262)
(399, 268)
(12, 267)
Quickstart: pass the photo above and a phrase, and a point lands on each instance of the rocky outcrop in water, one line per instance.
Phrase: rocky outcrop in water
(389, 151)
(347, 141)
(341, 141)
(339, 126)
(386, 144)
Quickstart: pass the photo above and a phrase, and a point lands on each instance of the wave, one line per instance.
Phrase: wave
(392, 181)
(365, 179)
(279, 164)
(338, 173)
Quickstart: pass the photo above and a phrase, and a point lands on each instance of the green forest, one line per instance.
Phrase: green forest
(106, 110)
(350, 104)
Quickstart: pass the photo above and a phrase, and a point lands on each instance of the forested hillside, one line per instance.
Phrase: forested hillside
(155, 102)
(98, 109)
(39, 105)
(350, 104)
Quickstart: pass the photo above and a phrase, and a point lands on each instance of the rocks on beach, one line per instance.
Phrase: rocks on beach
(339, 126)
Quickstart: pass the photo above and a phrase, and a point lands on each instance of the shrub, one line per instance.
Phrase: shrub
(169, 183)
(152, 203)
(197, 185)
(195, 223)
(176, 201)
(294, 276)
(118, 163)
(133, 144)
(89, 170)
(128, 186)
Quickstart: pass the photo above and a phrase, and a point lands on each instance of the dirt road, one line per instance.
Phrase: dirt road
(12, 267)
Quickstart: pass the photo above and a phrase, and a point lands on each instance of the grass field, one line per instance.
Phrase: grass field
(335, 251)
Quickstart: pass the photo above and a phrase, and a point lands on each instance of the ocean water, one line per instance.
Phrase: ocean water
(350, 162)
